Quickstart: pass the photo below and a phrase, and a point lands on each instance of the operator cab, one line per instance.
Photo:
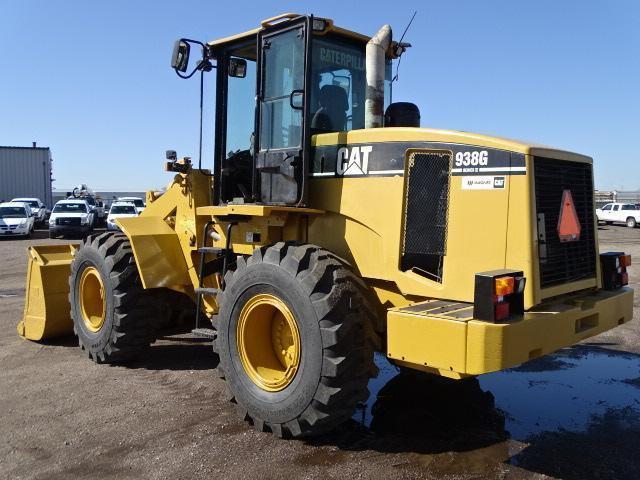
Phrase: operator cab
(276, 87)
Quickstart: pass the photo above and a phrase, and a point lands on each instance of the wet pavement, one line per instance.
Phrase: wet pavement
(574, 414)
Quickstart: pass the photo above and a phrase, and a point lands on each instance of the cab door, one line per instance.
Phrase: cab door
(283, 139)
(605, 213)
(616, 215)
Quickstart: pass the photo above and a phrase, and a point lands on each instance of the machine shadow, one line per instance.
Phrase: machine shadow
(178, 356)
(176, 349)
(424, 414)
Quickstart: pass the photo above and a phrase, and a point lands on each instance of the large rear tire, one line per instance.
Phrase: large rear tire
(294, 339)
(112, 314)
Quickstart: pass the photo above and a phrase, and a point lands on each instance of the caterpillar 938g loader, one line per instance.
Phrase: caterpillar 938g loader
(331, 226)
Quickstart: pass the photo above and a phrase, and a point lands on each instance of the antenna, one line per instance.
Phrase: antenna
(415, 12)
(403, 46)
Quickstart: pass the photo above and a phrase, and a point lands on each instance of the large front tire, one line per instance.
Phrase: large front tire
(111, 311)
(294, 339)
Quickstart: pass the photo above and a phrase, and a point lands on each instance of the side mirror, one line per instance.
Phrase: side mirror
(237, 67)
(180, 57)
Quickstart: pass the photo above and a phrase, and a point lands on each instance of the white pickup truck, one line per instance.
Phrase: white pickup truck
(627, 213)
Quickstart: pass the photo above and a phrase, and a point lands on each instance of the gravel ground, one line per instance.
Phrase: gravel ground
(62, 416)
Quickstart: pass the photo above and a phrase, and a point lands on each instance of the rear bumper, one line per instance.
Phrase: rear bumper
(457, 347)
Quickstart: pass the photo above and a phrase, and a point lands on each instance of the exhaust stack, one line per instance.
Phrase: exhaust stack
(375, 61)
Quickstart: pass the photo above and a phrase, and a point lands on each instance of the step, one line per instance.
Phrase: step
(207, 291)
(204, 333)
(211, 250)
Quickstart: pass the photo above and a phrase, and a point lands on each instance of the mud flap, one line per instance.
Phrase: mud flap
(47, 312)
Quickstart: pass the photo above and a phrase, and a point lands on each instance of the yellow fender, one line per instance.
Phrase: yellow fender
(47, 312)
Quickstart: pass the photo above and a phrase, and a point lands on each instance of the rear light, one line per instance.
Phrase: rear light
(614, 269)
(498, 295)
(625, 260)
(504, 286)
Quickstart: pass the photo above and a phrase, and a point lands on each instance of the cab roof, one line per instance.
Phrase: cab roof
(269, 22)
(13, 204)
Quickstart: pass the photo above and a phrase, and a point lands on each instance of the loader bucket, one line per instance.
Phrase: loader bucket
(47, 312)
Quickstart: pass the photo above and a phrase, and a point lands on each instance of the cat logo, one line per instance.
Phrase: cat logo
(353, 161)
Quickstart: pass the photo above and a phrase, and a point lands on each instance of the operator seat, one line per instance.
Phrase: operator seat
(332, 114)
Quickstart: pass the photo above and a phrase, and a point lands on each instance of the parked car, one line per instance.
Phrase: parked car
(120, 210)
(38, 209)
(137, 201)
(95, 205)
(16, 219)
(72, 218)
(615, 212)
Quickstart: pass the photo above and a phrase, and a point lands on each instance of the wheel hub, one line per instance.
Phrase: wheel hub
(268, 341)
(92, 299)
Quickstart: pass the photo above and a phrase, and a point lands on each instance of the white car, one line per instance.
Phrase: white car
(137, 201)
(616, 212)
(38, 209)
(71, 217)
(16, 219)
(120, 210)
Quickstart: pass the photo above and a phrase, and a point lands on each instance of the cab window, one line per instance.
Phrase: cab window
(616, 208)
(607, 207)
(280, 123)
(338, 85)
(238, 138)
(628, 206)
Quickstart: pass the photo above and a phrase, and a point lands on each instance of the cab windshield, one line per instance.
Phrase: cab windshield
(123, 209)
(137, 202)
(13, 212)
(70, 208)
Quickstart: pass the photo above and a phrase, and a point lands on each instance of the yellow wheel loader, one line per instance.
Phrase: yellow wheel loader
(331, 226)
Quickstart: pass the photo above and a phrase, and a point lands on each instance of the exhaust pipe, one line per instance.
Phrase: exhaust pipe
(375, 61)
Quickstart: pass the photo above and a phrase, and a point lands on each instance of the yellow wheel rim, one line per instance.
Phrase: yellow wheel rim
(268, 342)
(92, 299)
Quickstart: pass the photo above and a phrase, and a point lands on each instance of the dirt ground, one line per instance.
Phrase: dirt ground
(62, 416)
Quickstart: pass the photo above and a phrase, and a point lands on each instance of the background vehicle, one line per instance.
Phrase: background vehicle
(120, 210)
(138, 202)
(95, 204)
(16, 219)
(71, 218)
(627, 213)
(38, 209)
(329, 229)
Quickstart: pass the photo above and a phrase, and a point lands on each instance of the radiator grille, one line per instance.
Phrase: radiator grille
(68, 221)
(571, 261)
(426, 207)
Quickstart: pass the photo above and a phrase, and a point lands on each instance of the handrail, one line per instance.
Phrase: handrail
(270, 22)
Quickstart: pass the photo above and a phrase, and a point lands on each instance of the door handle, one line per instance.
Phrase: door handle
(292, 98)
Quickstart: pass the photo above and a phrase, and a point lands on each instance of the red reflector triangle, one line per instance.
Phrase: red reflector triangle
(568, 222)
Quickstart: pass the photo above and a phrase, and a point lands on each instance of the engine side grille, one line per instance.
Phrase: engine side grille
(570, 261)
(425, 217)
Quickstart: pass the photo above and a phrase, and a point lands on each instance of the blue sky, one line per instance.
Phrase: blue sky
(92, 79)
